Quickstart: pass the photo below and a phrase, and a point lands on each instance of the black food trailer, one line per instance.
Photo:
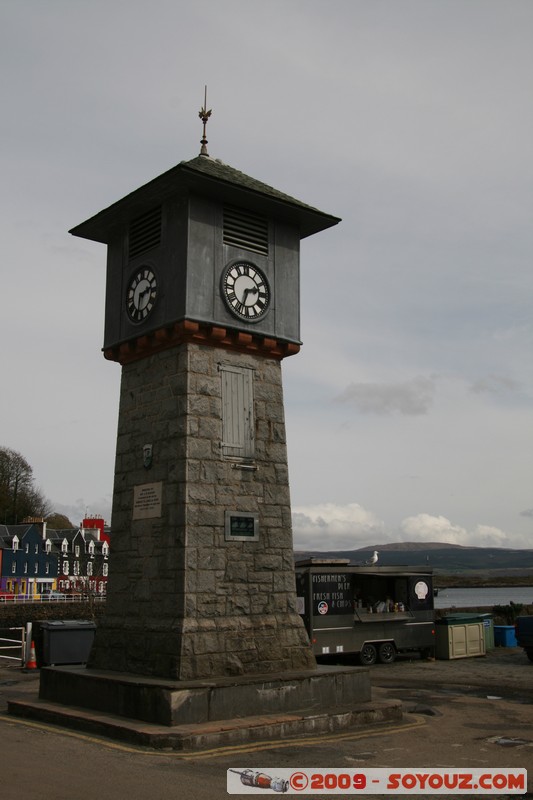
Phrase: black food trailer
(373, 611)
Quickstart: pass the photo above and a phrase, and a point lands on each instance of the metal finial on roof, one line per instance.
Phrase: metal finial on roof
(204, 115)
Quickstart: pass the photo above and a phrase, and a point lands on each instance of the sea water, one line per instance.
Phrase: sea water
(484, 596)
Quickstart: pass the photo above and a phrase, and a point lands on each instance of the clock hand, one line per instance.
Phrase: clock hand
(143, 294)
(247, 291)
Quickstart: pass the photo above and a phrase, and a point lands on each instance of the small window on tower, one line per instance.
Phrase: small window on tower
(237, 412)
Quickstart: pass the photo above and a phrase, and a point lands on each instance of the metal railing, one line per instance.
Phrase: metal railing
(43, 598)
(12, 650)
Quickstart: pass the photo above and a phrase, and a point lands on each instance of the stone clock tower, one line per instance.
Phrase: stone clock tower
(202, 305)
(201, 644)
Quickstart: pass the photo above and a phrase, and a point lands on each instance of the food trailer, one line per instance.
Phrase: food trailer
(374, 611)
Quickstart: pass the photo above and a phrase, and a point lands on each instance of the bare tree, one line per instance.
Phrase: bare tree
(19, 497)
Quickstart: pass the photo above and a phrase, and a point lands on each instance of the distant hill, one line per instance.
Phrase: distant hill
(441, 557)
(417, 546)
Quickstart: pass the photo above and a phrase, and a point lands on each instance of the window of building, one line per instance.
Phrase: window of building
(89, 568)
(76, 568)
(36, 550)
(77, 551)
(13, 568)
(27, 547)
(47, 568)
(105, 569)
(25, 568)
(237, 412)
(65, 567)
(36, 569)
(15, 543)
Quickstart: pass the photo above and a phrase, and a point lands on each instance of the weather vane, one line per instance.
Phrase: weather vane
(204, 115)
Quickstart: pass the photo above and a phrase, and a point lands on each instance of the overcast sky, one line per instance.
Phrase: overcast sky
(409, 408)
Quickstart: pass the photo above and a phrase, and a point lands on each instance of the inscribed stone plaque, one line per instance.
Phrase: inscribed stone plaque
(147, 500)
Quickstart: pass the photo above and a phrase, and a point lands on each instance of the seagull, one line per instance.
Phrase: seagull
(372, 560)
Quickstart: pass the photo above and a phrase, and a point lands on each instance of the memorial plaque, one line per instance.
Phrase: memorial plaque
(147, 500)
(241, 526)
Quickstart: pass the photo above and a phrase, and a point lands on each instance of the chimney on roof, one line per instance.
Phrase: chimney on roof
(38, 521)
(94, 523)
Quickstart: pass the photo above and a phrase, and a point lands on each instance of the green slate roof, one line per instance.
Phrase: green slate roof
(223, 172)
(207, 176)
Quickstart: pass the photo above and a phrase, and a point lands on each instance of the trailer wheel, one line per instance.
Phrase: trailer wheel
(387, 653)
(368, 655)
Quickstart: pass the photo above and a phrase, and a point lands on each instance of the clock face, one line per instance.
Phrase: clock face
(141, 294)
(245, 290)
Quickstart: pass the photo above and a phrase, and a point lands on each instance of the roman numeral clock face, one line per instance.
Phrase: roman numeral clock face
(141, 294)
(245, 291)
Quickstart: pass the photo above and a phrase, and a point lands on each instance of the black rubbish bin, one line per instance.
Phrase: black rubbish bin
(67, 641)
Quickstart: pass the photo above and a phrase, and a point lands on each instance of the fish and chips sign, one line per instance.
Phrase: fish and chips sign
(332, 594)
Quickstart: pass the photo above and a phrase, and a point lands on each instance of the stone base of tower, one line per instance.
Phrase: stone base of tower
(201, 574)
(205, 648)
(191, 715)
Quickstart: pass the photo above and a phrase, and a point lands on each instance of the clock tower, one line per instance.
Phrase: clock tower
(202, 305)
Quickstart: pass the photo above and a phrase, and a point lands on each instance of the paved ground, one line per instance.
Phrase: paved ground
(465, 713)
(503, 669)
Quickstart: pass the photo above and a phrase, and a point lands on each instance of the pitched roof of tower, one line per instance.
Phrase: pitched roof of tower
(210, 176)
(218, 170)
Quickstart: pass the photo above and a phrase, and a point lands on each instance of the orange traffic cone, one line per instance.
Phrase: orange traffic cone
(31, 663)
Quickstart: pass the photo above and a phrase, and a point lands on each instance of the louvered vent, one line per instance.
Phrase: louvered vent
(245, 230)
(145, 233)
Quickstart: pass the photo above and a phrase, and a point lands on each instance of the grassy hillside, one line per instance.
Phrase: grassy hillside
(479, 564)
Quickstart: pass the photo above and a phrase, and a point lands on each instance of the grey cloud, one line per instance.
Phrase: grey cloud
(494, 384)
(412, 398)
(335, 527)
(527, 513)
(303, 520)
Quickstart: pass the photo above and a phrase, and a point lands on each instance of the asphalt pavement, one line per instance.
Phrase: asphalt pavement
(467, 713)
